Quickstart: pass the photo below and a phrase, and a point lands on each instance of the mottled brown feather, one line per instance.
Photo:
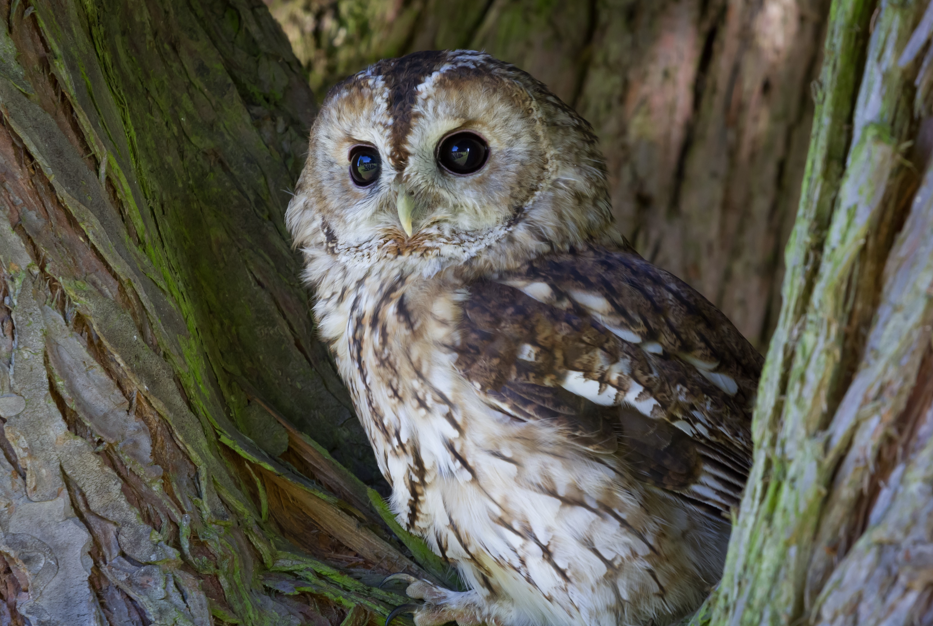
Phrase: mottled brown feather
(499, 319)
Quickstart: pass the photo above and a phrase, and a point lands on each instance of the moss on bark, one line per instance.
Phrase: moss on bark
(844, 409)
(152, 309)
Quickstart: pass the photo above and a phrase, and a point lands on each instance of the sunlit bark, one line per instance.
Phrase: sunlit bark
(835, 526)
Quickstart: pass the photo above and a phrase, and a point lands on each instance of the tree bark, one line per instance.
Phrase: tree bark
(702, 107)
(836, 526)
(151, 316)
(160, 375)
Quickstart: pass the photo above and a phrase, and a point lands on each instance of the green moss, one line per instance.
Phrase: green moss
(849, 170)
(419, 549)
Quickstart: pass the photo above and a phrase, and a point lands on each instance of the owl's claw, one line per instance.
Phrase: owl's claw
(418, 589)
(440, 605)
(405, 608)
(408, 579)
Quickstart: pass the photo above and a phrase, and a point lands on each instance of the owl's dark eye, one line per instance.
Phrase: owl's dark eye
(463, 153)
(365, 165)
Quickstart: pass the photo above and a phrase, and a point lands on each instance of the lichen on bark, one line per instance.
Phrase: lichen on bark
(832, 527)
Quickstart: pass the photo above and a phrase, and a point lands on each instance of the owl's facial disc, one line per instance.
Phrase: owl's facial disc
(438, 158)
(462, 153)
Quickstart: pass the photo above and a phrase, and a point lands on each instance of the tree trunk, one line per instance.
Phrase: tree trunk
(151, 310)
(836, 526)
(702, 107)
(160, 371)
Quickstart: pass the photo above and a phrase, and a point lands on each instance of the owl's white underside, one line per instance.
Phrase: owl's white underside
(650, 568)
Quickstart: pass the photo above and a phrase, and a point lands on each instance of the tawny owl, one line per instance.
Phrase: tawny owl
(564, 422)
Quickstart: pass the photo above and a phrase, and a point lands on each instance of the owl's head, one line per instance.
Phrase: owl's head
(443, 160)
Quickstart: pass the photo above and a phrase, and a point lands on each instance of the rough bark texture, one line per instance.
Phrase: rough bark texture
(703, 109)
(159, 375)
(151, 317)
(836, 527)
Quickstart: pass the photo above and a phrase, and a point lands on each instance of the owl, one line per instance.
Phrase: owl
(563, 422)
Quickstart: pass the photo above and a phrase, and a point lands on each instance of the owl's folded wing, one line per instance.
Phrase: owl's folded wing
(627, 360)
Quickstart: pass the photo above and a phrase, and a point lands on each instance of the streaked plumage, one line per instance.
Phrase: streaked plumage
(564, 422)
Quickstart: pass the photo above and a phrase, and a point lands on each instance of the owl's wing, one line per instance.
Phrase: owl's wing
(627, 360)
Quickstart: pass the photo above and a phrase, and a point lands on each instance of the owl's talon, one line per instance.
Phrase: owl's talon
(408, 579)
(405, 608)
(440, 605)
(416, 588)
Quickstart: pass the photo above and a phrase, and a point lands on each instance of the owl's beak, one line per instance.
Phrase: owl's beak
(405, 205)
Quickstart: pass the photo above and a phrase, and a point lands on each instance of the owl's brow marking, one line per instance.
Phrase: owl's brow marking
(402, 78)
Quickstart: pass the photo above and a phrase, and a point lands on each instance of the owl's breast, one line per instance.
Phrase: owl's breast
(522, 512)
(391, 338)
